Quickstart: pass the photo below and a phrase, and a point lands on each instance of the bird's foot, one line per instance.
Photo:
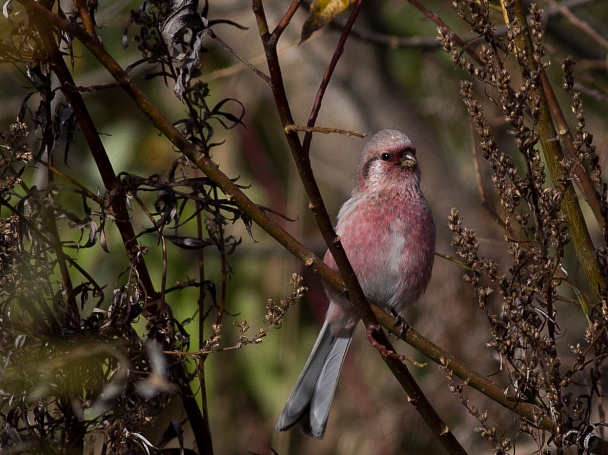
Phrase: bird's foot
(400, 322)
(386, 352)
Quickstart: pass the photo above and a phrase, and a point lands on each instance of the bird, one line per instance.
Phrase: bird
(387, 231)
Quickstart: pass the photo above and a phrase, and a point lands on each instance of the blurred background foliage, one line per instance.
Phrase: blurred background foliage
(393, 74)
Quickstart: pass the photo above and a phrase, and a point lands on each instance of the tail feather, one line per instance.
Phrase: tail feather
(314, 390)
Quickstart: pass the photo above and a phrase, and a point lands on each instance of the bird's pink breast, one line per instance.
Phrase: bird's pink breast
(390, 241)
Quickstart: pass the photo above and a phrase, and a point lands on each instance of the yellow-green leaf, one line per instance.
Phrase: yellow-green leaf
(321, 14)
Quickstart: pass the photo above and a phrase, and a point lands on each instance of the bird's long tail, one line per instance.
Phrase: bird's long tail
(312, 395)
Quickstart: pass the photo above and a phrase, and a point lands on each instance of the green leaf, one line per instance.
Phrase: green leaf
(321, 13)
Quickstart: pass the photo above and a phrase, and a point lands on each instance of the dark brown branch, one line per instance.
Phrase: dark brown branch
(470, 377)
(85, 16)
(300, 154)
(44, 19)
(110, 180)
(284, 22)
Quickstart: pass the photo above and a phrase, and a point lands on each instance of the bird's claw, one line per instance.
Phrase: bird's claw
(385, 352)
(402, 323)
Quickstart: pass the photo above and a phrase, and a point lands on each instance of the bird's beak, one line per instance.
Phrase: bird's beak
(408, 160)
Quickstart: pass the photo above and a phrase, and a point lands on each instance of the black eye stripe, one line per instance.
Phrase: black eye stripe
(385, 157)
(369, 162)
(367, 165)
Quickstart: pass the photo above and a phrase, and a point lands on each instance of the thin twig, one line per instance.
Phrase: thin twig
(89, 194)
(580, 24)
(284, 22)
(259, 73)
(454, 36)
(98, 87)
(316, 108)
(318, 129)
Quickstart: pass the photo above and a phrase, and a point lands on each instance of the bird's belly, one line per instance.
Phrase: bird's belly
(381, 258)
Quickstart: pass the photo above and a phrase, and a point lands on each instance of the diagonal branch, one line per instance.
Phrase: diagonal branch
(314, 113)
(301, 157)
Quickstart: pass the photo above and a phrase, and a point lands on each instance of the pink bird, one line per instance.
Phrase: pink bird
(387, 231)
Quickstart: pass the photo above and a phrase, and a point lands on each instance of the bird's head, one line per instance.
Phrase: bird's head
(388, 159)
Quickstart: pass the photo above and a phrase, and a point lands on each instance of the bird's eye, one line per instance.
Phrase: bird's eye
(385, 156)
